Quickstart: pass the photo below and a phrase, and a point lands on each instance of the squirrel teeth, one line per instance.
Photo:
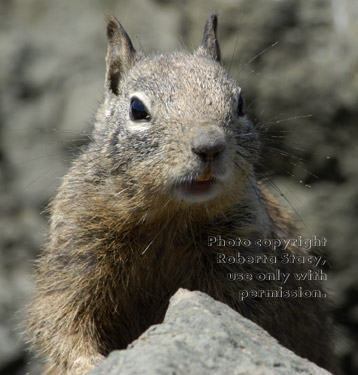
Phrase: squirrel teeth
(205, 177)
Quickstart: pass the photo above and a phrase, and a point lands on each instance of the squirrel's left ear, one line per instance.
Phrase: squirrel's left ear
(209, 45)
(120, 56)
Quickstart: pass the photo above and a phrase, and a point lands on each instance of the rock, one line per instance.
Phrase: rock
(202, 336)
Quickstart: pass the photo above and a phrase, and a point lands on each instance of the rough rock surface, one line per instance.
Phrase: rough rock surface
(51, 78)
(202, 336)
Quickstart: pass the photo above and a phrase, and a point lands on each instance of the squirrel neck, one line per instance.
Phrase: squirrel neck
(245, 211)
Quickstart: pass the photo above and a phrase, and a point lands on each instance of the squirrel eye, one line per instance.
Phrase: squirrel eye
(241, 106)
(138, 111)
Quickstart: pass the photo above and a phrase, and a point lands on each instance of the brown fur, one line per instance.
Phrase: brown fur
(122, 241)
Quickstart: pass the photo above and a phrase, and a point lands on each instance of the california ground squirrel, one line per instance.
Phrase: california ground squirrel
(169, 174)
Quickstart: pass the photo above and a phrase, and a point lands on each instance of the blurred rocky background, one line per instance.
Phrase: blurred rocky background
(297, 63)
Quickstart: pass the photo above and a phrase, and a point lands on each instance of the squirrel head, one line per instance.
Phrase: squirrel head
(173, 125)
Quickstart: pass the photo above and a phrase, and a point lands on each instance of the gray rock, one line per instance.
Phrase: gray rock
(202, 336)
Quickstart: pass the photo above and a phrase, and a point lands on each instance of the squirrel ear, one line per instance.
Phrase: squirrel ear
(120, 55)
(210, 45)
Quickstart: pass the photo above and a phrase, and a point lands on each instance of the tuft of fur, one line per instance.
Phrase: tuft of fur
(125, 233)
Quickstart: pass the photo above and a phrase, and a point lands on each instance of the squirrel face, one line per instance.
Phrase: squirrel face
(175, 123)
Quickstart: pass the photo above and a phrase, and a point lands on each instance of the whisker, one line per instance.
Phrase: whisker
(233, 53)
(255, 57)
(269, 180)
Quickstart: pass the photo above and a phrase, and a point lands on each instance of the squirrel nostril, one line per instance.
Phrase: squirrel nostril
(216, 155)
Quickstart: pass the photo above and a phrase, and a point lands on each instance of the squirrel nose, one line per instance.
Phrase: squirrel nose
(208, 144)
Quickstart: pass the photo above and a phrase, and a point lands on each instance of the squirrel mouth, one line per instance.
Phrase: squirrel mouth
(200, 188)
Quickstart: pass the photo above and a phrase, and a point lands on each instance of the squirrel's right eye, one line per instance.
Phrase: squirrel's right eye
(241, 106)
(138, 111)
